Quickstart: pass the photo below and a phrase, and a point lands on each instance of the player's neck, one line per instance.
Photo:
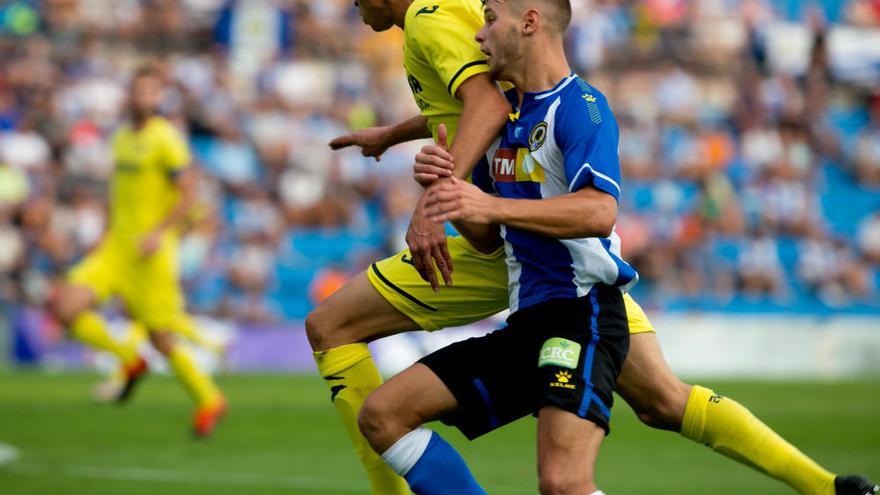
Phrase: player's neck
(543, 66)
(398, 11)
(139, 120)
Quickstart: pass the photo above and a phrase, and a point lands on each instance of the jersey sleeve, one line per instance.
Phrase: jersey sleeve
(445, 38)
(587, 135)
(480, 176)
(175, 151)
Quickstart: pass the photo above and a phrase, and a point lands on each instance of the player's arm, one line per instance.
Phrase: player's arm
(185, 181)
(175, 161)
(374, 141)
(588, 141)
(484, 237)
(484, 112)
(588, 212)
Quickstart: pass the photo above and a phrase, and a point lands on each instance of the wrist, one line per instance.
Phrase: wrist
(498, 210)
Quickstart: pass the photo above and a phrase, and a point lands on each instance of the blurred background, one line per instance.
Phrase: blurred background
(750, 146)
(750, 143)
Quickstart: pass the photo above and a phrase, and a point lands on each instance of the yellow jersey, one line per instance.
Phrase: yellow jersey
(142, 189)
(440, 53)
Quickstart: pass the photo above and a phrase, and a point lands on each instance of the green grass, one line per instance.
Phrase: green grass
(282, 436)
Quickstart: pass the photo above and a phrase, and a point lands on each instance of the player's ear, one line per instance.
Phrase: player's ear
(530, 21)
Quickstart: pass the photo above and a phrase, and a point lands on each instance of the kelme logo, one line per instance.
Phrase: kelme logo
(560, 352)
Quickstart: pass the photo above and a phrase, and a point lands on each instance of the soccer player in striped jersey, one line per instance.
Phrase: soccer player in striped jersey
(448, 76)
(556, 170)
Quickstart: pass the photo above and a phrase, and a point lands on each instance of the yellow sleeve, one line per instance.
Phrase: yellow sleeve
(175, 151)
(444, 35)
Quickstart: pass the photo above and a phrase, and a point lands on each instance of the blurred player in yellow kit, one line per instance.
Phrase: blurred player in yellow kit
(449, 79)
(151, 192)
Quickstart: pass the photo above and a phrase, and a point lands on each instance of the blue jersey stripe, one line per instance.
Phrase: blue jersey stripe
(590, 354)
(625, 272)
(493, 418)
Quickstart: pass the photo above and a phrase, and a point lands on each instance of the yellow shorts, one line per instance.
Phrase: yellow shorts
(148, 287)
(478, 291)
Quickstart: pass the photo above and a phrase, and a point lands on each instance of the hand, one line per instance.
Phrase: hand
(150, 243)
(434, 161)
(427, 246)
(373, 141)
(460, 200)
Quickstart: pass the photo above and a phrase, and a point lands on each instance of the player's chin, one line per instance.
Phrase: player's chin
(380, 25)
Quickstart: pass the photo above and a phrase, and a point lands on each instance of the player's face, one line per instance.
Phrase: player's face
(375, 13)
(500, 39)
(146, 95)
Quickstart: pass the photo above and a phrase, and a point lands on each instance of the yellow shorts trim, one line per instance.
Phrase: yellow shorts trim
(478, 291)
(635, 315)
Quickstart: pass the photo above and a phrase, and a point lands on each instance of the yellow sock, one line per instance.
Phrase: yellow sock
(186, 327)
(89, 327)
(198, 383)
(730, 429)
(351, 374)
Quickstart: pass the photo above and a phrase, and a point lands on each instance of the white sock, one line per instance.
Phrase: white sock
(599, 492)
(407, 451)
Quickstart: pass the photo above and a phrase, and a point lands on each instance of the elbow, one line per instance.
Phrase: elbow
(602, 223)
(605, 230)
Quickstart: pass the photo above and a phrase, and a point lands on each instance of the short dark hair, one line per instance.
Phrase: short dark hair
(557, 12)
(147, 70)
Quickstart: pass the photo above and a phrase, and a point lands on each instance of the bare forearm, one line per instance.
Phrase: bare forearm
(187, 188)
(485, 238)
(410, 130)
(481, 122)
(561, 217)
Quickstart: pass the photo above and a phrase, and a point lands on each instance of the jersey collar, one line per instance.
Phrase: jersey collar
(528, 98)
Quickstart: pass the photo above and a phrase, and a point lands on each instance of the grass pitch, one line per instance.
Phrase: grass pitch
(282, 437)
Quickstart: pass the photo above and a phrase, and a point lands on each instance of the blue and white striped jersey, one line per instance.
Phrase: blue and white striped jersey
(558, 141)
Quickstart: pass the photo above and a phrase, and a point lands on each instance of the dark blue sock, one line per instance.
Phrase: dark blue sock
(441, 471)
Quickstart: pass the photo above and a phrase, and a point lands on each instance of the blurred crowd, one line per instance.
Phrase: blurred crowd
(750, 143)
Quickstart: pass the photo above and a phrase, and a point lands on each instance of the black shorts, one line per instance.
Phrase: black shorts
(563, 352)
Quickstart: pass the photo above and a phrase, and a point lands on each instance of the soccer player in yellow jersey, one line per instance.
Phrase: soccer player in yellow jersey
(151, 192)
(447, 74)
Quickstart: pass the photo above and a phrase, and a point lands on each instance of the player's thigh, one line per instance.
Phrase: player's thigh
(70, 300)
(405, 402)
(567, 449)
(153, 296)
(492, 377)
(355, 313)
(89, 282)
(649, 386)
(479, 288)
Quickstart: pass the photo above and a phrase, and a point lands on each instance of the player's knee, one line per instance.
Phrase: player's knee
(164, 342)
(66, 306)
(375, 419)
(320, 328)
(562, 480)
(325, 329)
(665, 410)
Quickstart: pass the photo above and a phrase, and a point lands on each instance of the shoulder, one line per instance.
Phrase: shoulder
(583, 109)
(424, 17)
(162, 129)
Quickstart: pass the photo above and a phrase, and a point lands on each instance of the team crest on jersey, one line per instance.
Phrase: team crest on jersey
(516, 165)
(537, 136)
